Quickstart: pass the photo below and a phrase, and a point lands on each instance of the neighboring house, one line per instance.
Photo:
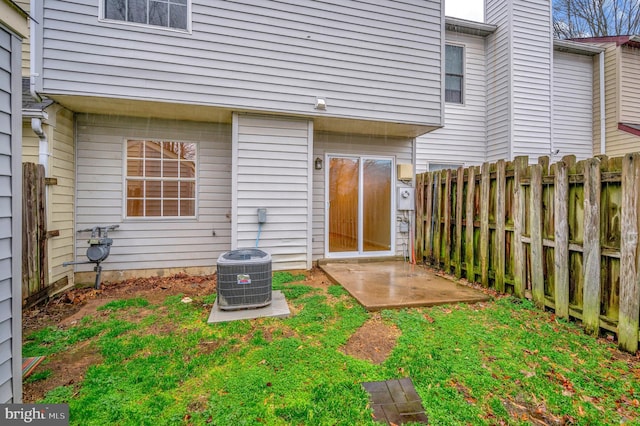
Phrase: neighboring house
(512, 90)
(621, 77)
(179, 121)
(13, 26)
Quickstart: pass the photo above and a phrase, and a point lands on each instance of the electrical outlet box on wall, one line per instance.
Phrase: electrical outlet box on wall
(404, 171)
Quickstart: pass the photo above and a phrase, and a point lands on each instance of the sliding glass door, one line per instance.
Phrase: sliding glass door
(359, 205)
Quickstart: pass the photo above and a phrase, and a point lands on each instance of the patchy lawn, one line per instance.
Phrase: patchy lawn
(135, 354)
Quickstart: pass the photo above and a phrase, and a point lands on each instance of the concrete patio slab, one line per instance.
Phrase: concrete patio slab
(278, 309)
(397, 284)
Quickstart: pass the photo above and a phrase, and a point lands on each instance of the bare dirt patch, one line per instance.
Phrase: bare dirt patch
(71, 306)
(373, 342)
(67, 368)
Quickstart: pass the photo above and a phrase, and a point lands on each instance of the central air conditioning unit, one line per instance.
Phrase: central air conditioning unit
(244, 279)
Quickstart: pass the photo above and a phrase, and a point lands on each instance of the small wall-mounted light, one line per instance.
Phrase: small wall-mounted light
(318, 163)
(321, 104)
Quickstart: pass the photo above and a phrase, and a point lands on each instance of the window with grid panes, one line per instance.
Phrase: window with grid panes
(160, 179)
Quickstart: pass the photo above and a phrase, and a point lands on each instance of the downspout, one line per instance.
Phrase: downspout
(603, 121)
(32, 54)
(43, 146)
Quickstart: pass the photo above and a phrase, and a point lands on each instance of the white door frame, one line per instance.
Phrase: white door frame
(360, 252)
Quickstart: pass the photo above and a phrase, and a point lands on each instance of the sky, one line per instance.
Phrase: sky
(466, 9)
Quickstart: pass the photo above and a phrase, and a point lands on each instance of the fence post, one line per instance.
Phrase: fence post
(519, 209)
(561, 239)
(591, 247)
(447, 221)
(629, 292)
(457, 250)
(535, 207)
(469, 228)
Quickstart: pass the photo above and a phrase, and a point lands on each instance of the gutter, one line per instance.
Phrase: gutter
(469, 27)
(570, 46)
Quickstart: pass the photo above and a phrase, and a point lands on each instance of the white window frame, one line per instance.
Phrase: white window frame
(464, 74)
(444, 166)
(125, 179)
(103, 19)
(360, 252)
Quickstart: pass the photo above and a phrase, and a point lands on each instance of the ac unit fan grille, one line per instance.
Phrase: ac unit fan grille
(245, 284)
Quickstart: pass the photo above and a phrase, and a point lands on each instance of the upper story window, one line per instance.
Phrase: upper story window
(160, 179)
(454, 74)
(160, 13)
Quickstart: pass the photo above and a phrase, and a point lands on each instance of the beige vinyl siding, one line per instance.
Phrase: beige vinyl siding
(630, 85)
(618, 142)
(62, 195)
(572, 104)
(146, 243)
(610, 93)
(499, 79)
(531, 86)
(401, 149)
(30, 144)
(59, 128)
(462, 140)
(371, 60)
(273, 162)
(26, 44)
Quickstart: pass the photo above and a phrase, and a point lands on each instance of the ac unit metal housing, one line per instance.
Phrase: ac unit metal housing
(244, 279)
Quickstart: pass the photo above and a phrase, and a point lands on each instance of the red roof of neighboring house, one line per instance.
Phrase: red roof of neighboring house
(634, 129)
(620, 40)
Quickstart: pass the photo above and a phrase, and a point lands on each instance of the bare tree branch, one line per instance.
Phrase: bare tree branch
(595, 18)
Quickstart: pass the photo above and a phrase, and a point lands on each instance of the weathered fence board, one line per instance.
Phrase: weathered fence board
(446, 225)
(564, 234)
(500, 225)
(485, 185)
(469, 228)
(591, 248)
(519, 207)
(629, 293)
(561, 240)
(457, 249)
(34, 232)
(535, 235)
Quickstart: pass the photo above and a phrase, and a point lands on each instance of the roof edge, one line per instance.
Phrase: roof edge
(634, 129)
(619, 40)
(469, 27)
(576, 47)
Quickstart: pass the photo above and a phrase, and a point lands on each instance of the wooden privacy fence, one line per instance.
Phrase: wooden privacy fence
(35, 276)
(564, 234)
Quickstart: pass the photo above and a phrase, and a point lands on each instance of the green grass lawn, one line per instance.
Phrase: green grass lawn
(502, 362)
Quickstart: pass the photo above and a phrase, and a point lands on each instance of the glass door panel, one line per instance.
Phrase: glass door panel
(360, 205)
(376, 205)
(344, 178)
